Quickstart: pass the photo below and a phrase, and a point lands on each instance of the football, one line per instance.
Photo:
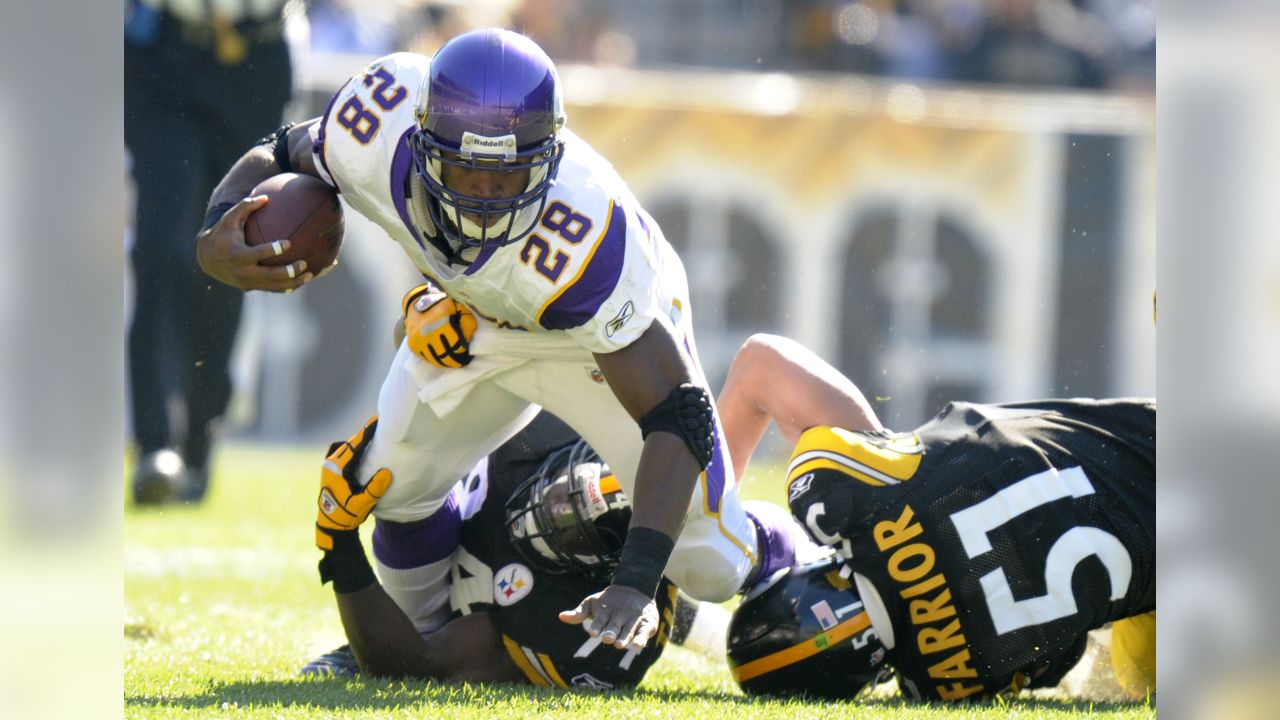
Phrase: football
(303, 210)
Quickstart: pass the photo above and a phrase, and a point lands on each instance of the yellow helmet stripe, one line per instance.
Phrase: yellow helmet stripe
(803, 650)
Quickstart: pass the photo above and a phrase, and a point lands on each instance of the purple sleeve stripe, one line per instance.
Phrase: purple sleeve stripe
(399, 172)
(578, 301)
(404, 546)
(317, 148)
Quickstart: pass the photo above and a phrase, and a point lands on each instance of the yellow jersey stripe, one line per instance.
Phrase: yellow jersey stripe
(803, 650)
(892, 462)
(517, 654)
(608, 220)
(550, 668)
(812, 464)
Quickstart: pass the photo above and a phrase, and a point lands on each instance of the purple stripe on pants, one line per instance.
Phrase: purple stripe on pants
(774, 530)
(404, 546)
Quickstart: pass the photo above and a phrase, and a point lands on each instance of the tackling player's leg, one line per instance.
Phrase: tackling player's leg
(1133, 654)
(427, 454)
(717, 552)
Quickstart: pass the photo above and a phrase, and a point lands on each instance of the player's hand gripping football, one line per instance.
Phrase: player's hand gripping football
(343, 503)
(225, 256)
(439, 330)
(620, 616)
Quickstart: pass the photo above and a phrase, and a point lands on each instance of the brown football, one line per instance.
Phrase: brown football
(303, 210)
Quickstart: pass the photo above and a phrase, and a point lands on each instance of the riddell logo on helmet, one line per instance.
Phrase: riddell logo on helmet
(473, 144)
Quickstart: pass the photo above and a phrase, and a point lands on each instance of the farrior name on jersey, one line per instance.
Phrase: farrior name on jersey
(933, 615)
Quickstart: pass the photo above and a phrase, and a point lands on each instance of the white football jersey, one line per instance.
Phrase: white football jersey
(595, 269)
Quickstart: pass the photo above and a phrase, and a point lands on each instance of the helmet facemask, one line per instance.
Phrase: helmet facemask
(571, 515)
(491, 102)
(502, 221)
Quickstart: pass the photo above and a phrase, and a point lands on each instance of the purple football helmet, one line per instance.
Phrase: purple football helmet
(491, 101)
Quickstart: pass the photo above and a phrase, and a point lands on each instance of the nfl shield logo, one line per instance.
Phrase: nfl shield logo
(327, 503)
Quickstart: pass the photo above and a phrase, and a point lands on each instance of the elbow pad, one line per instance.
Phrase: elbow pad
(687, 414)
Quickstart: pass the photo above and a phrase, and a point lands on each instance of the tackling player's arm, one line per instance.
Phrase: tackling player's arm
(776, 378)
(383, 639)
(645, 375)
(220, 246)
(385, 642)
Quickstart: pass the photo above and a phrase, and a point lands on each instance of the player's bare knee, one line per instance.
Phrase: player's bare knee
(761, 348)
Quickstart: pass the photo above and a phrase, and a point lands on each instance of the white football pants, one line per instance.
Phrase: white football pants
(435, 424)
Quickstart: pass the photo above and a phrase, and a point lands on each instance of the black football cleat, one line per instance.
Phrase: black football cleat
(158, 478)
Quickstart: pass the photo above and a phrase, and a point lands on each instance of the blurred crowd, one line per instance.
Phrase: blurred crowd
(1032, 43)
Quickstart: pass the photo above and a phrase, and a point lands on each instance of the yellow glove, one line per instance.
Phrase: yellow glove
(343, 503)
(439, 330)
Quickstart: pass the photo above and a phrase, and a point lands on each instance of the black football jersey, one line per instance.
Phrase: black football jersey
(489, 574)
(988, 543)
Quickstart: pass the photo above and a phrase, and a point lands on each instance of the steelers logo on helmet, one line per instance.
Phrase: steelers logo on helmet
(570, 515)
(491, 102)
(805, 632)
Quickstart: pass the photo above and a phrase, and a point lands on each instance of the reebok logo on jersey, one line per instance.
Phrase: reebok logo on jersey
(585, 680)
(624, 315)
(801, 486)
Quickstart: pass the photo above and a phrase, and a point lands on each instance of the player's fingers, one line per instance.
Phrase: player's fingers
(286, 284)
(580, 614)
(250, 275)
(241, 210)
(626, 631)
(254, 254)
(644, 631)
(379, 483)
(610, 633)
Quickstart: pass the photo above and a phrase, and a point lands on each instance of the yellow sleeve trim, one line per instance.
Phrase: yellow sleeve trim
(873, 462)
(550, 667)
(824, 464)
(517, 654)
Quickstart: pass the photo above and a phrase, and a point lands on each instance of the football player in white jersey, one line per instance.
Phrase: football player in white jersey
(583, 309)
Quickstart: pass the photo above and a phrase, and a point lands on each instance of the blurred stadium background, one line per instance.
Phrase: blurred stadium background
(945, 199)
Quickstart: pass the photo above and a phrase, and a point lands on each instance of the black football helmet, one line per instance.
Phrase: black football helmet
(570, 515)
(804, 631)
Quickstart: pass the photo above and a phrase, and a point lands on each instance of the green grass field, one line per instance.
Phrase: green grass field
(223, 606)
